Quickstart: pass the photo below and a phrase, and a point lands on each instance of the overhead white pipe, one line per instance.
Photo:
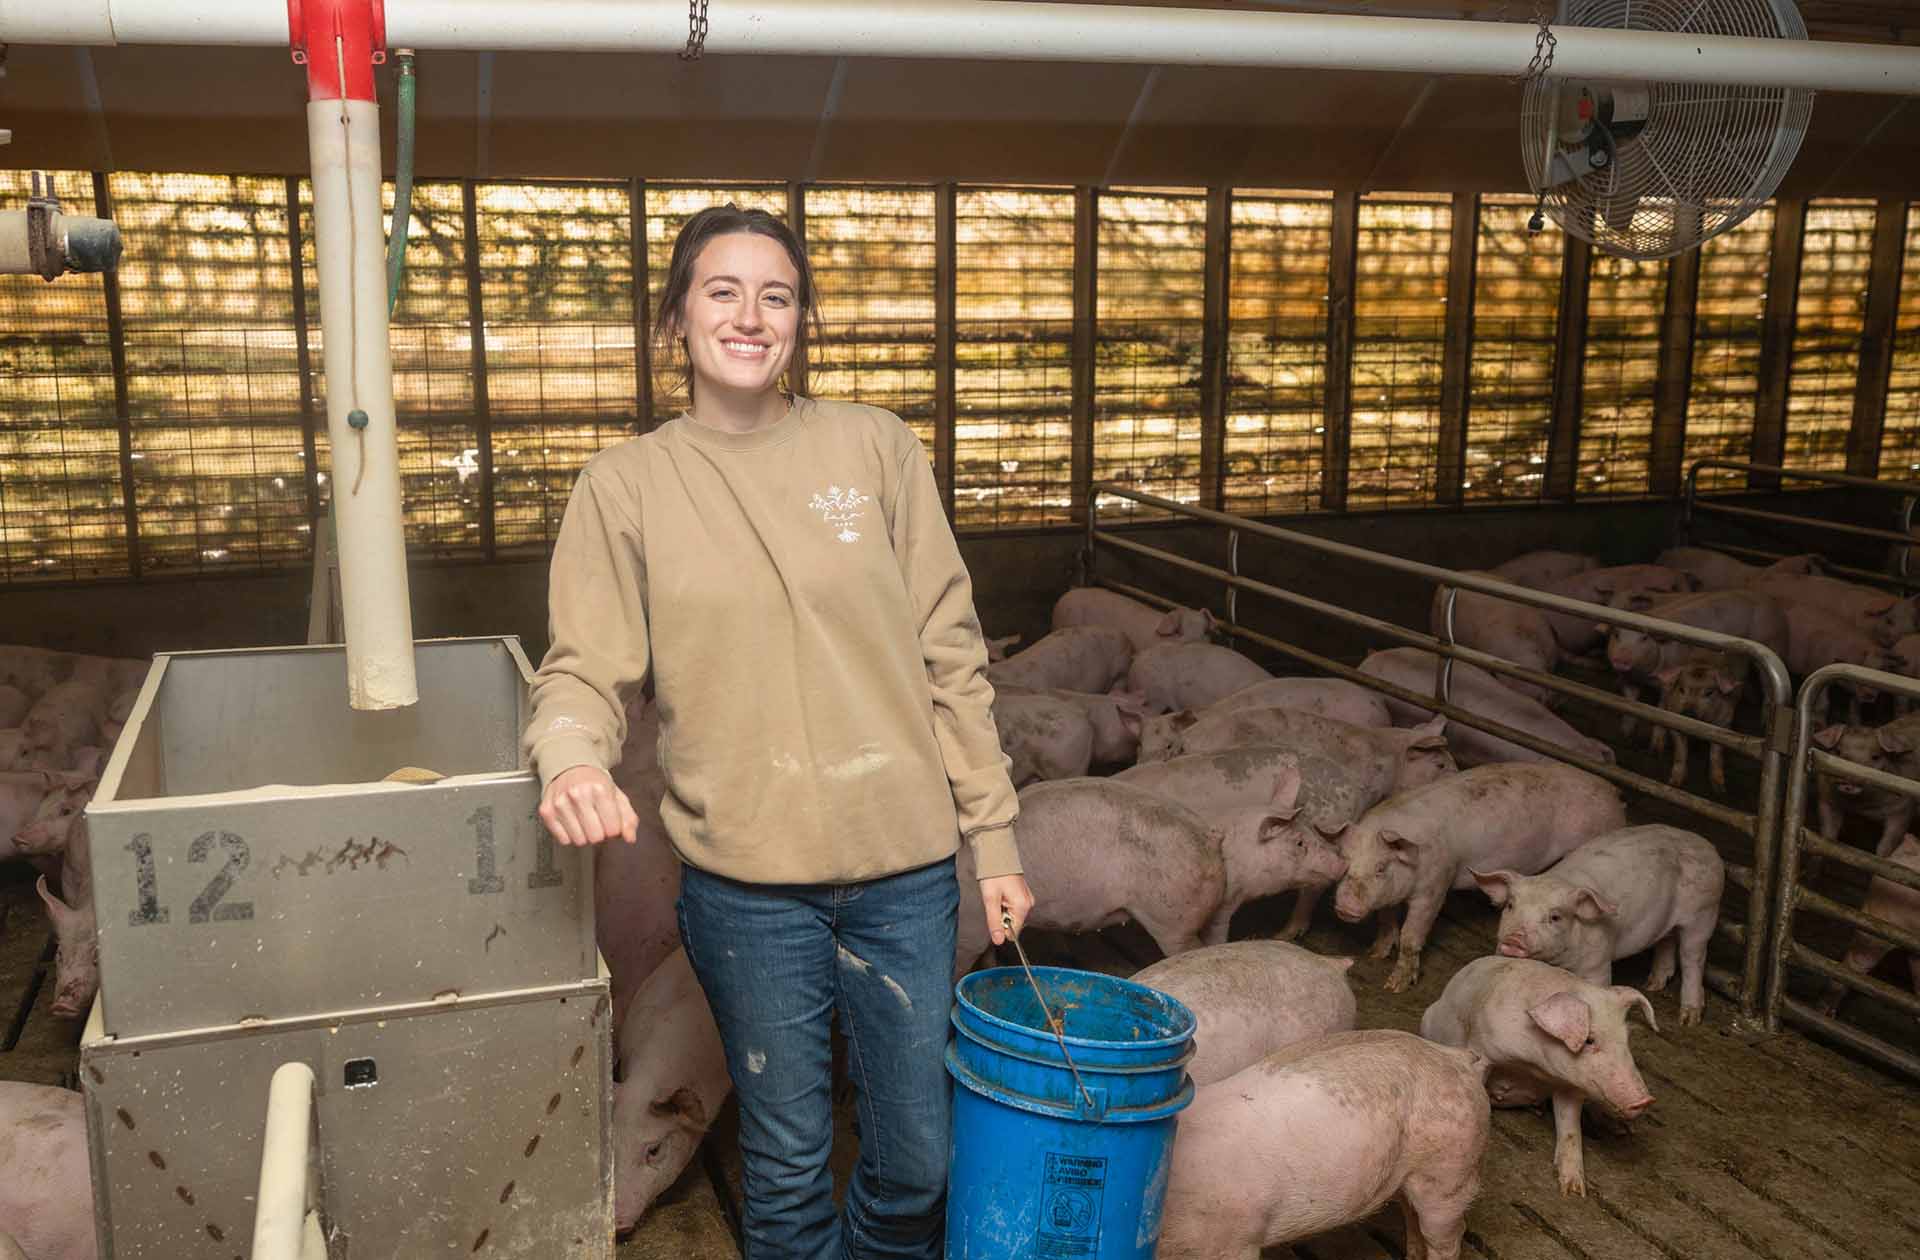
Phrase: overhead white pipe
(996, 30)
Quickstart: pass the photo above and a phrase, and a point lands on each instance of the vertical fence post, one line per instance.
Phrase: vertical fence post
(1876, 339)
(945, 270)
(642, 286)
(482, 399)
(1674, 383)
(1450, 471)
(1086, 283)
(797, 220)
(1337, 436)
(1569, 370)
(1776, 342)
(1214, 342)
(122, 402)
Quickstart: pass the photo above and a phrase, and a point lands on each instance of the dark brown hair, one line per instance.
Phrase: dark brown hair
(695, 233)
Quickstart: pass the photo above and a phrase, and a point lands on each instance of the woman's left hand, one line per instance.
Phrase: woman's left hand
(1009, 895)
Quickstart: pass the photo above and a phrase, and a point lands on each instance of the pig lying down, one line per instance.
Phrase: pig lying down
(1898, 905)
(1334, 698)
(673, 1078)
(1144, 625)
(1546, 1032)
(1325, 1133)
(46, 1197)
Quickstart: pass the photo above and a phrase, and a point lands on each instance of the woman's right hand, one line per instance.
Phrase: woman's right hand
(582, 806)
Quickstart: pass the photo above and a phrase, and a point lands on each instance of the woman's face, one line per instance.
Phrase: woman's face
(742, 314)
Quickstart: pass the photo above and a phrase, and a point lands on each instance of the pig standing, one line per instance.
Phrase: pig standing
(1097, 853)
(1546, 1032)
(1479, 693)
(1576, 634)
(1535, 567)
(1078, 658)
(1654, 887)
(1044, 737)
(1820, 638)
(1334, 698)
(76, 959)
(46, 1185)
(1417, 846)
(1329, 793)
(1881, 615)
(1115, 720)
(1710, 691)
(1189, 676)
(1638, 657)
(1324, 1133)
(1143, 624)
(1250, 998)
(1889, 749)
(673, 1078)
(1411, 758)
(1502, 628)
(63, 801)
(1898, 905)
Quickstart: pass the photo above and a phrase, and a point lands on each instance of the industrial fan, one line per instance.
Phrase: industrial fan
(1652, 169)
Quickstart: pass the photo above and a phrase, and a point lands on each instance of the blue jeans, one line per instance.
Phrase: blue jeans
(777, 962)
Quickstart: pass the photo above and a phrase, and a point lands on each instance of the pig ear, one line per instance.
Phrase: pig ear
(1878, 609)
(1432, 736)
(1183, 719)
(1286, 791)
(1130, 702)
(1639, 601)
(1667, 676)
(59, 911)
(684, 1106)
(1591, 907)
(1565, 1018)
(1727, 682)
(1339, 964)
(1213, 622)
(1332, 834)
(1632, 999)
(1274, 823)
(1498, 885)
(1829, 737)
(1892, 741)
(1404, 847)
(1169, 624)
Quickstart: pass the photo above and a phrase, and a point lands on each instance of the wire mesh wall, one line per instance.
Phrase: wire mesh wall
(1516, 317)
(1013, 357)
(1148, 341)
(1399, 341)
(1729, 310)
(214, 444)
(62, 503)
(1900, 438)
(1626, 301)
(1836, 258)
(1277, 351)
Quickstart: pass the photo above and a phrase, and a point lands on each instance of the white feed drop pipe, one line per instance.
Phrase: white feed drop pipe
(283, 1227)
(996, 30)
(349, 243)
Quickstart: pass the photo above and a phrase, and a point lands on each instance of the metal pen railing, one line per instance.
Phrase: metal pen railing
(1909, 492)
(1768, 748)
(1794, 896)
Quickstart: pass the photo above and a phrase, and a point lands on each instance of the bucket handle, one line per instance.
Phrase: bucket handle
(1096, 1109)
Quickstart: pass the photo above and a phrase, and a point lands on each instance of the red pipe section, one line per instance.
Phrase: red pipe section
(329, 35)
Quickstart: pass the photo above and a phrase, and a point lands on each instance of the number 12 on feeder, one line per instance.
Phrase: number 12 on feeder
(211, 905)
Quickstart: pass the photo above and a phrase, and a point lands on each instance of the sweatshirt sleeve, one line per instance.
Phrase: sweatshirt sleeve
(956, 659)
(596, 616)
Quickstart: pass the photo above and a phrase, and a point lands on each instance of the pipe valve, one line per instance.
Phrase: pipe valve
(42, 241)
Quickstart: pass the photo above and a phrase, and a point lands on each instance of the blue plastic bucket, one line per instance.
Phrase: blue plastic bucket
(1041, 1171)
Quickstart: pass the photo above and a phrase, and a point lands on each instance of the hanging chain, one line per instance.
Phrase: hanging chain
(1544, 43)
(696, 30)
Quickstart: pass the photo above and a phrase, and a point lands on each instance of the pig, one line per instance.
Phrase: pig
(10, 1250)
(1418, 845)
(1043, 736)
(1098, 852)
(1479, 693)
(1329, 697)
(67, 716)
(21, 792)
(1078, 658)
(1890, 749)
(1906, 650)
(1189, 676)
(1116, 720)
(1710, 691)
(46, 1185)
(1820, 638)
(634, 890)
(1250, 998)
(1412, 757)
(1144, 625)
(1322, 1134)
(13, 750)
(1716, 571)
(76, 958)
(997, 648)
(1879, 614)
(1655, 887)
(1898, 905)
(1534, 567)
(1575, 634)
(673, 1079)
(1502, 628)
(1331, 793)
(34, 671)
(88, 762)
(119, 711)
(51, 829)
(1546, 1032)
(14, 704)
(1638, 657)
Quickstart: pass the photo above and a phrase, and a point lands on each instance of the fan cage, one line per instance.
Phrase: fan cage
(1709, 155)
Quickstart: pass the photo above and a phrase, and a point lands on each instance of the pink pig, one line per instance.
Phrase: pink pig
(1251, 998)
(1534, 567)
(76, 959)
(1898, 905)
(1078, 658)
(1044, 737)
(1546, 1032)
(1819, 637)
(1502, 628)
(1145, 625)
(1334, 698)
(46, 1186)
(1189, 676)
(1479, 693)
(1408, 758)
(1325, 1133)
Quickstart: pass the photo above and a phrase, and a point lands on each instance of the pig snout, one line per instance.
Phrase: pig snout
(1515, 946)
(1633, 1110)
(1350, 904)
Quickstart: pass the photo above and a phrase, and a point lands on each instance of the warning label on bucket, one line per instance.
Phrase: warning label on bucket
(1070, 1195)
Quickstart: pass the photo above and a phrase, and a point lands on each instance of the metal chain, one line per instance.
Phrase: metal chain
(696, 30)
(1544, 43)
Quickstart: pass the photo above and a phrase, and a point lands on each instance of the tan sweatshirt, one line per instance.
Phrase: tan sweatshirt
(798, 597)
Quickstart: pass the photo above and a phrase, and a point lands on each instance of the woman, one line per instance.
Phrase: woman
(783, 570)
